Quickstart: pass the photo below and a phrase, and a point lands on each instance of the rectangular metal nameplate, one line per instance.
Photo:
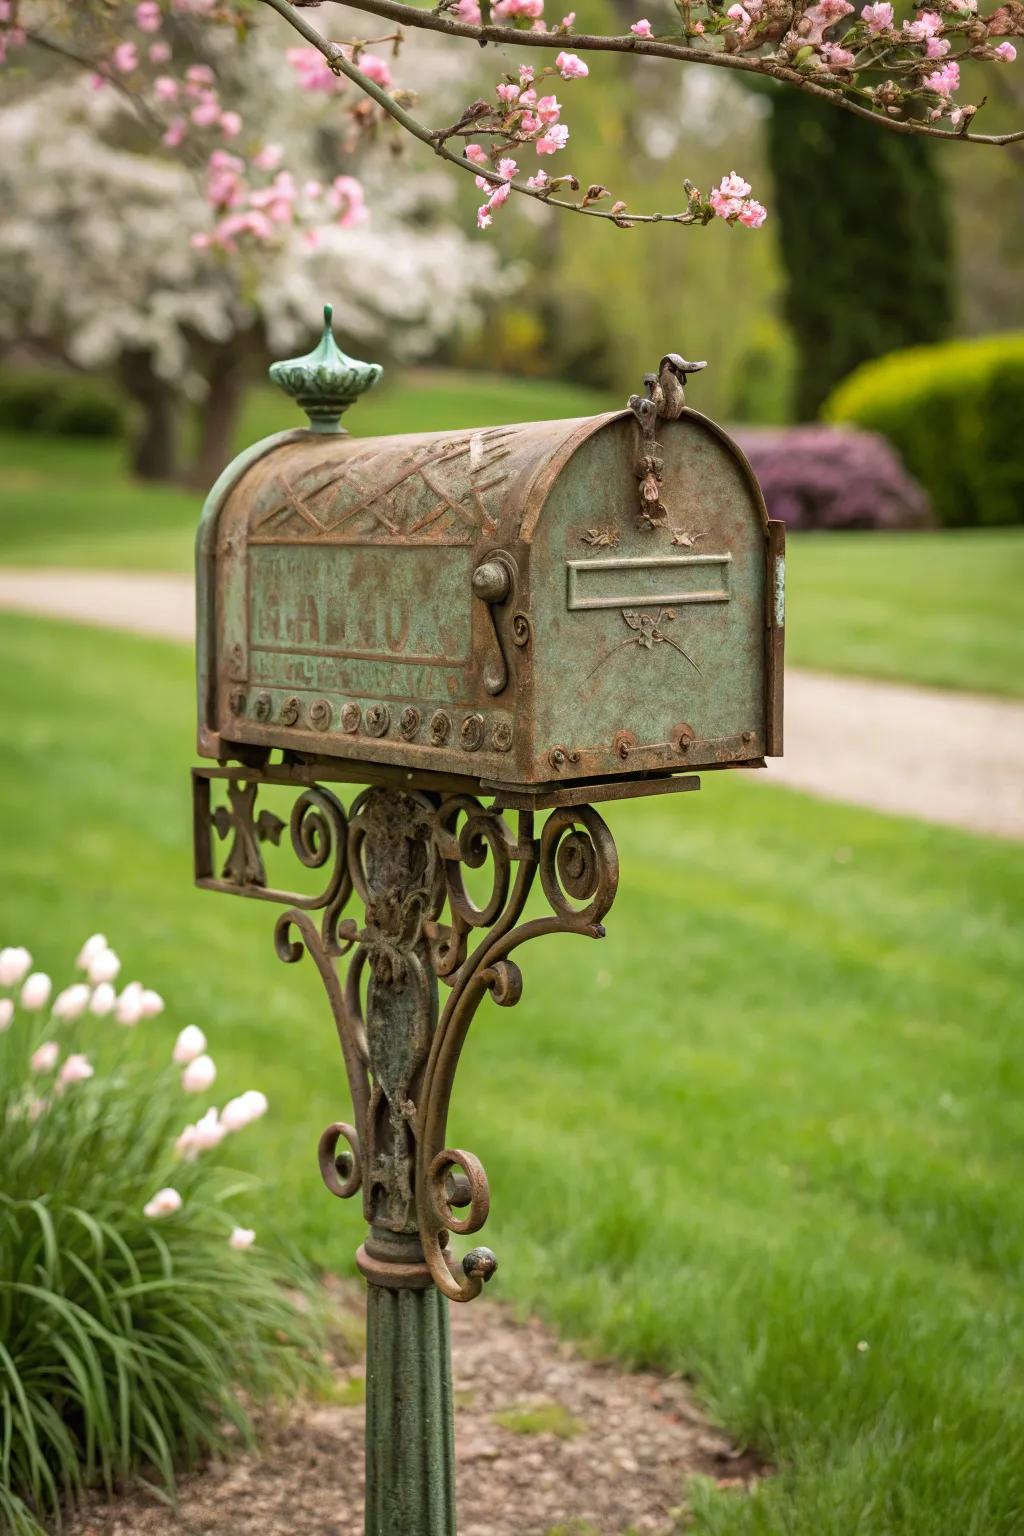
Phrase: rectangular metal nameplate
(647, 583)
(384, 604)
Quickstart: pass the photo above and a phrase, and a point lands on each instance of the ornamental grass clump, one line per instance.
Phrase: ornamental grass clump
(140, 1320)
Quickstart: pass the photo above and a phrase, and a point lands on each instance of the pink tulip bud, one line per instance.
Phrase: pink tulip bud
(35, 994)
(45, 1058)
(199, 1075)
(6, 1013)
(128, 1009)
(189, 1044)
(242, 1238)
(209, 1132)
(15, 964)
(103, 999)
(72, 1002)
(152, 1003)
(242, 1111)
(164, 1203)
(103, 965)
(76, 1069)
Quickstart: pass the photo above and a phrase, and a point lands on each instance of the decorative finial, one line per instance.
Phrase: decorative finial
(325, 382)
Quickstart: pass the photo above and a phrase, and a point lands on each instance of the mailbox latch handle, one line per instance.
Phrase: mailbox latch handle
(493, 583)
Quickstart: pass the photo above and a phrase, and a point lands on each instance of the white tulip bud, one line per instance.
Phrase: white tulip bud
(35, 994)
(199, 1075)
(189, 1044)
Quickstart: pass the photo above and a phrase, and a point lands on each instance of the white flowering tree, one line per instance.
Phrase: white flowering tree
(109, 257)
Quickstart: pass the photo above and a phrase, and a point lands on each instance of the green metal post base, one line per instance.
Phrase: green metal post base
(410, 1447)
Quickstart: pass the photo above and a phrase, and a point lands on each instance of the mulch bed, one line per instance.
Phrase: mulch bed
(546, 1441)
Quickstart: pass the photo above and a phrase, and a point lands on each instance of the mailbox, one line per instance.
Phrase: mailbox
(552, 603)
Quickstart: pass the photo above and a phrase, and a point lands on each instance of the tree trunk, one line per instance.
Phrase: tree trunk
(227, 377)
(154, 452)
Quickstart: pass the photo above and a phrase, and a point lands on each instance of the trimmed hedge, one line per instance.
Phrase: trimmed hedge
(955, 413)
(62, 404)
(833, 477)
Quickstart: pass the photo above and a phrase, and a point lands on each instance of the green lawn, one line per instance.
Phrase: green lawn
(943, 609)
(773, 1117)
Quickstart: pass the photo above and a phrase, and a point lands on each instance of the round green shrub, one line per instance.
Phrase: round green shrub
(954, 413)
(62, 404)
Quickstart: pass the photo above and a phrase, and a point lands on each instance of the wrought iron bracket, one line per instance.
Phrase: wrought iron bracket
(403, 854)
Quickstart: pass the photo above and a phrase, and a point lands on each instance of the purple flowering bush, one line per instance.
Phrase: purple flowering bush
(834, 477)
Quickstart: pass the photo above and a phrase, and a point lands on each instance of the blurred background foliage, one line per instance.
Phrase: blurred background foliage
(875, 242)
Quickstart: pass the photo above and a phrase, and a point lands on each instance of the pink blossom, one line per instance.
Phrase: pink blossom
(103, 1000)
(567, 22)
(200, 1074)
(818, 18)
(548, 109)
(530, 123)
(76, 1069)
(45, 1058)
(642, 28)
(837, 57)
(500, 195)
(175, 133)
(937, 48)
(230, 124)
(753, 214)
(164, 1203)
(507, 93)
(159, 53)
(314, 73)
(125, 58)
(528, 98)
(1005, 51)
(35, 994)
(201, 74)
(526, 74)
(268, 158)
(190, 1043)
(483, 217)
(15, 964)
(71, 1003)
(944, 81)
(349, 200)
(878, 17)
(476, 153)
(733, 186)
(507, 168)
(375, 68)
(148, 16)
(570, 67)
(241, 1238)
(737, 14)
(97, 82)
(207, 113)
(507, 10)
(482, 183)
(5, 12)
(926, 24)
(698, 27)
(553, 139)
(468, 11)
(165, 88)
(6, 1013)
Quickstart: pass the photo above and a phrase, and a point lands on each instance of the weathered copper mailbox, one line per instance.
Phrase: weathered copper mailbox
(560, 601)
(537, 617)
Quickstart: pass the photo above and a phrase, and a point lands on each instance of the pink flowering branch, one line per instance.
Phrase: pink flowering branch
(502, 179)
(837, 88)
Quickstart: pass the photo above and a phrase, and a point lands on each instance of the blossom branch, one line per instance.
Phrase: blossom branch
(435, 138)
(664, 48)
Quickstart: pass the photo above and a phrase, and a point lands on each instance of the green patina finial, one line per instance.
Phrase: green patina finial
(325, 382)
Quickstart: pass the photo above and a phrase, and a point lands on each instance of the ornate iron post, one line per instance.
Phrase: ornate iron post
(401, 853)
(473, 624)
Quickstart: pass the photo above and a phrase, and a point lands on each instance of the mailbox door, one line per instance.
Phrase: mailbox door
(654, 639)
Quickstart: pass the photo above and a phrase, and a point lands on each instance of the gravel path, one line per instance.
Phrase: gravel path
(947, 757)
